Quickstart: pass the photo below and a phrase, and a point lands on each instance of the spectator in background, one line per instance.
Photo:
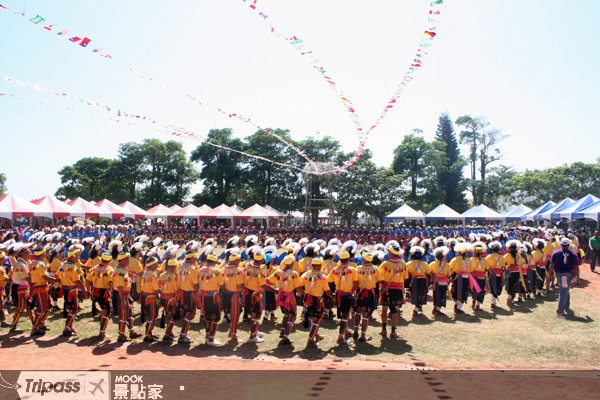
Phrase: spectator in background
(562, 264)
(594, 249)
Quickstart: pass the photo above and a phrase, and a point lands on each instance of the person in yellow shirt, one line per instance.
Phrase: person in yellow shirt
(169, 287)
(189, 284)
(270, 300)
(254, 285)
(328, 265)
(150, 290)
(461, 268)
(315, 286)
(4, 279)
(548, 251)
(99, 283)
(345, 279)
(40, 289)
(496, 262)
(311, 250)
(514, 261)
(70, 280)
(211, 280)
(122, 285)
(287, 280)
(418, 271)
(233, 283)
(367, 277)
(135, 270)
(90, 263)
(56, 260)
(441, 271)
(529, 271)
(539, 259)
(479, 272)
(21, 278)
(392, 274)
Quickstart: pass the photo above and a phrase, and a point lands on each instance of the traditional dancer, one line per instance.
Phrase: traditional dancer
(392, 274)
(4, 279)
(40, 289)
(513, 261)
(149, 298)
(329, 264)
(211, 280)
(479, 272)
(345, 279)
(188, 287)
(418, 270)
(461, 266)
(233, 283)
(122, 287)
(254, 284)
(287, 281)
(169, 288)
(497, 263)
(315, 286)
(539, 260)
(440, 272)
(270, 299)
(99, 282)
(71, 281)
(367, 277)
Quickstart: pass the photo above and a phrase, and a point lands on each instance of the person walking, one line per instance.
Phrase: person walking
(595, 249)
(562, 264)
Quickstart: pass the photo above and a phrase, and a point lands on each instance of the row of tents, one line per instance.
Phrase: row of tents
(587, 207)
(13, 207)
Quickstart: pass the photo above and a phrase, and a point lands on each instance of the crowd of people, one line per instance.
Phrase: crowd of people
(343, 273)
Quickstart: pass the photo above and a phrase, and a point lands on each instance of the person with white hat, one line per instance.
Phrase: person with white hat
(562, 264)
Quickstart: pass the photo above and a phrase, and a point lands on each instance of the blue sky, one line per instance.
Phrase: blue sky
(529, 66)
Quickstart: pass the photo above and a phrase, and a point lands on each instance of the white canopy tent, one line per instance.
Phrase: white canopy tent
(544, 207)
(482, 213)
(517, 213)
(404, 213)
(443, 212)
(580, 204)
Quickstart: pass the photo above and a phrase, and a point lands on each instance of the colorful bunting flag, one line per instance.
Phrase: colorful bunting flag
(37, 20)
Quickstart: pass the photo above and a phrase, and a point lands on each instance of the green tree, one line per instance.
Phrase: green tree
(368, 188)
(450, 181)
(130, 168)
(268, 183)
(499, 187)
(420, 161)
(221, 169)
(169, 173)
(3, 188)
(470, 137)
(88, 178)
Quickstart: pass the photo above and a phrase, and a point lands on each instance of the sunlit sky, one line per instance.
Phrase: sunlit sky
(529, 66)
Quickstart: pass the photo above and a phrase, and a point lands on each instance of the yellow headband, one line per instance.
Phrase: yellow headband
(106, 257)
(367, 257)
(122, 256)
(190, 255)
(212, 258)
(344, 255)
(172, 263)
(259, 257)
(73, 253)
(2, 254)
(234, 257)
(39, 252)
(151, 261)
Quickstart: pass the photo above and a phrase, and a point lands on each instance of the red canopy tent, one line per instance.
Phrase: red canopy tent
(159, 211)
(12, 206)
(189, 211)
(133, 211)
(204, 208)
(256, 212)
(90, 210)
(220, 212)
(175, 207)
(57, 208)
(109, 206)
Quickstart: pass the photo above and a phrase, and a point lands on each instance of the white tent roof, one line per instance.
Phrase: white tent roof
(544, 207)
(443, 212)
(405, 212)
(590, 212)
(517, 213)
(576, 206)
(508, 210)
(558, 207)
(482, 212)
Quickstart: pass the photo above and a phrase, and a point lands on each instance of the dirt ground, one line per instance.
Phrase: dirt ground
(114, 356)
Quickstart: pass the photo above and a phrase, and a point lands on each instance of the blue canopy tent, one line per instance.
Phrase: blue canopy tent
(590, 212)
(517, 213)
(576, 206)
(481, 213)
(444, 213)
(403, 213)
(543, 208)
(558, 207)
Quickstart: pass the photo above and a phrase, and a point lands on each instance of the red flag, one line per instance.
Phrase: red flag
(84, 42)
